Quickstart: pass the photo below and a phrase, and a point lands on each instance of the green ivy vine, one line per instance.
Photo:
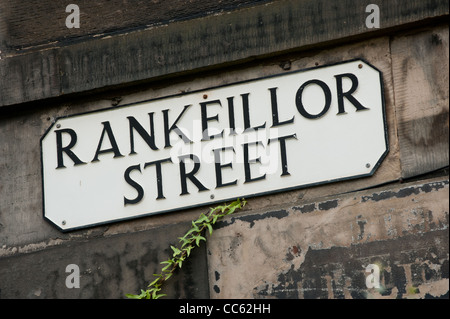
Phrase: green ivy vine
(188, 242)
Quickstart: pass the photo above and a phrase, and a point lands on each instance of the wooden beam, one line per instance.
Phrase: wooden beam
(188, 46)
(421, 81)
(37, 23)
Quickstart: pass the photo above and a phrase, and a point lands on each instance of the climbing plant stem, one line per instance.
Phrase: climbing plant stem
(188, 242)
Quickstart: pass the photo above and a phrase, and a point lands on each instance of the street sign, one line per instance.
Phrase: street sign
(245, 139)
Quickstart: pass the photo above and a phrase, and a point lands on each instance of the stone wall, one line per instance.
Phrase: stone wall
(314, 242)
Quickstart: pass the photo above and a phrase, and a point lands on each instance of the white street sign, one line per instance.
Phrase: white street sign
(244, 139)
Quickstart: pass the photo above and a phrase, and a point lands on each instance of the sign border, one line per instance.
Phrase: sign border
(212, 202)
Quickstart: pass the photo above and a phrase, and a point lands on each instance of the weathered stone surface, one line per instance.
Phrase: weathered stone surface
(110, 267)
(321, 249)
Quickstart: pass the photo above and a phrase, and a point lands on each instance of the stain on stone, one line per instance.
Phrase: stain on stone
(216, 289)
(293, 252)
(328, 204)
(217, 275)
(428, 132)
(436, 39)
(430, 274)
(444, 269)
(398, 279)
(361, 224)
(416, 274)
(224, 223)
(116, 100)
(429, 296)
(405, 192)
(289, 256)
(252, 218)
(308, 208)
(427, 188)
(339, 272)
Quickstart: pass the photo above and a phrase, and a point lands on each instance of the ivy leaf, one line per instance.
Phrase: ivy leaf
(221, 208)
(197, 240)
(176, 251)
(165, 268)
(144, 295)
(213, 211)
(191, 231)
(183, 239)
(154, 282)
(202, 218)
(188, 250)
(194, 228)
(209, 228)
(168, 276)
(187, 245)
(169, 261)
(185, 242)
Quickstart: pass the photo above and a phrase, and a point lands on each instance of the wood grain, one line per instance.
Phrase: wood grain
(95, 59)
(421, 87)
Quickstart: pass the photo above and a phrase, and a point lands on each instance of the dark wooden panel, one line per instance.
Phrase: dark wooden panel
(216, 40)
(30, 77)
(36, 22)
(421, 87)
